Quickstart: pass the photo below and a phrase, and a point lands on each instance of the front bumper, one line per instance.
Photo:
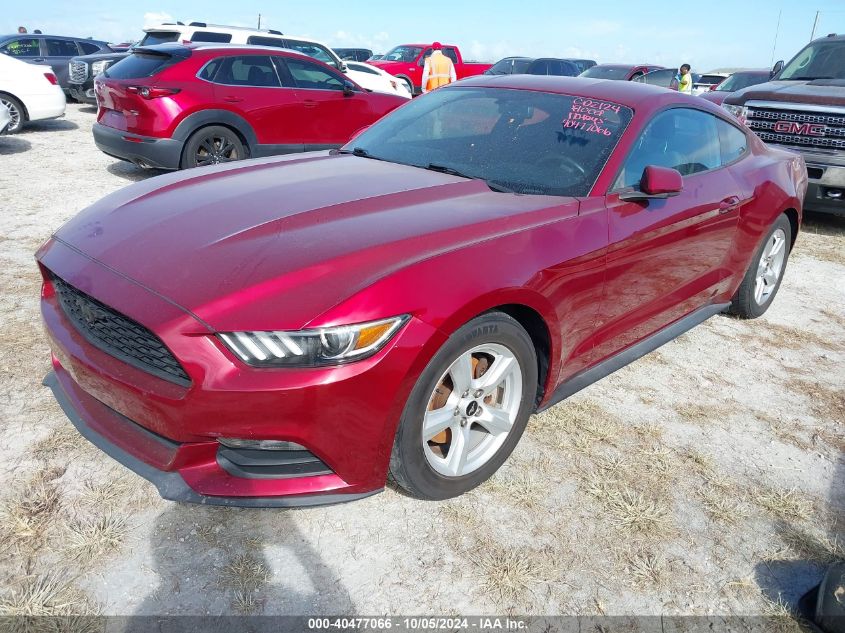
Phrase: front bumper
(144, 151)
(344, 416)
(83, 93)
(826, 189)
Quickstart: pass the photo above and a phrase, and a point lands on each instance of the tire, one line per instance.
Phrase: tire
(767, 268)
(408, 84)
(16, 111)
(430, 468)
(212, 145)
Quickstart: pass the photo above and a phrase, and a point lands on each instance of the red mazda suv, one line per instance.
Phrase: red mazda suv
(172, 106)
(289, 330)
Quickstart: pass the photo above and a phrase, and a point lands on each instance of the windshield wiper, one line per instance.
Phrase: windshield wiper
(359, 151)
(454, 172)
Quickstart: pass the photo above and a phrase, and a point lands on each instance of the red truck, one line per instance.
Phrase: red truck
(406, 62)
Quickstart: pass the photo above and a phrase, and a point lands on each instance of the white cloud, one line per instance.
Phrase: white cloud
(377, 43)
(152, 18)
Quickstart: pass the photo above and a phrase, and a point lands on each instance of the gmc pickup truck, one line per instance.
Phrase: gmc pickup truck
(406, 62)
(802, 108)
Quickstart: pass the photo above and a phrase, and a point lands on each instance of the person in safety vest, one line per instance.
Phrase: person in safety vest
(438, 70)
(685, 79)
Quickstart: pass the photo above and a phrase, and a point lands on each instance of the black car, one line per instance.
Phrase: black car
(534, 66)
(50, 50)
(83, 69)
(354, 54)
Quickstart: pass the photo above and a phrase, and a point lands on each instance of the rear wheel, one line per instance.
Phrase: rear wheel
(212, 145)
(468, 409)
(763, 277)
(17, 114)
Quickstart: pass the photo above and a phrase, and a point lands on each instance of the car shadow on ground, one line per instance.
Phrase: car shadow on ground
(824, 224)
(784, 582)
(10, 145)
(49, 125)
(129, 171)
(88, 109)
(214, 561)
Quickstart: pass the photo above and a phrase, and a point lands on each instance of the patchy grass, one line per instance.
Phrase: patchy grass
(791, 337)
(245, 573)
(522, 488)
(705, 415)
(509, 573)
(721, 505)
(781, 617)
(814, 239)
(245, 602)
(45, 596)
(61, 441)
(645, 568)
(827, 403)
(813, 546)
(28, 512)
(578, 424)
(93, 538)
(788, 505)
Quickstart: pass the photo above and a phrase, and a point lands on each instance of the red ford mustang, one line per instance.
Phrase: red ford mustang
(287, 331)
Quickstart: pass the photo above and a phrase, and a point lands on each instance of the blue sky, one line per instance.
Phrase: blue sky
(707, 34)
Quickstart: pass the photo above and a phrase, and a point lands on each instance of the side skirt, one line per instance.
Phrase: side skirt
(629, 355)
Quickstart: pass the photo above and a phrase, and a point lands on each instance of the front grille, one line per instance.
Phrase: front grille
(118, 335)
(78, 72)
(796, 127)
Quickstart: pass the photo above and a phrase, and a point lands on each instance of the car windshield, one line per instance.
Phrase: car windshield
(607, 72)
(403, 54)
(511, 66)
(517, 141)
(159, 37)
(819, 60)
(738, 81)
(710, 79)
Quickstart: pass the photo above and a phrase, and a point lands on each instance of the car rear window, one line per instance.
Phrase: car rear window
(138, 65)
(211, 36)
(710, 79)
(88, 48)
(159, 37)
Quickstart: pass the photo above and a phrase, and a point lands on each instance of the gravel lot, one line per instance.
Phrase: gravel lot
(706, 478)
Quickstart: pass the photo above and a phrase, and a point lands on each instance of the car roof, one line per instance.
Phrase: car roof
(43, 35)
(627, 93)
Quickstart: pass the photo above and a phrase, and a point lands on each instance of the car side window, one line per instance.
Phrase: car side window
(540, 67)
(680, 138)
(313, 77)
(451, 54)
(23, 47)
(247, 70)
(88, 48)
(210, 69)
(734, 143)
(312, 50)
(61, 48)
(426, 54)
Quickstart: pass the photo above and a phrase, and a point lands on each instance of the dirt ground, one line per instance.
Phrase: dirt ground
(706, 478)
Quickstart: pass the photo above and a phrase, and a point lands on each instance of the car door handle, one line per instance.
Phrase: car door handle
(310, 103)
(233, 99)
(728, 204)
(39, 60)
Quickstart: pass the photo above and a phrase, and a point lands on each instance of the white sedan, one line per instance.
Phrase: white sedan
(376, 80)
(29, 92)
(5, 118)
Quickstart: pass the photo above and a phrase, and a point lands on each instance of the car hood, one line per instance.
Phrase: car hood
(818, 92)
(288, 237)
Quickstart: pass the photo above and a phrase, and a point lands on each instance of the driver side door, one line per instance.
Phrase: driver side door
(668, 257)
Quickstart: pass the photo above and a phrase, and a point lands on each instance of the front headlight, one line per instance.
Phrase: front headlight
(313, 348)
(100, 66)
(739, 111)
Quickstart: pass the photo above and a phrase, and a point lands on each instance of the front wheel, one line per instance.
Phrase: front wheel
(17, 116)
(212, 145)
(763, 277)
(468, 409)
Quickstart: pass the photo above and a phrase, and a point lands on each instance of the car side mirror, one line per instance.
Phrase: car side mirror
(656, 183)
(776, 68)
(348, 89)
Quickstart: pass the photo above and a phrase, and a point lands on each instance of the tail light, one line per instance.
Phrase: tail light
(151, 92)
(52, 78)
(186, 41)
(714, 86)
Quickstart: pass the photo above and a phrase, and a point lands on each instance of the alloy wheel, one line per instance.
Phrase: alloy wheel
(216, 149)
(472, 410)
(770, 267)
(14, 115)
